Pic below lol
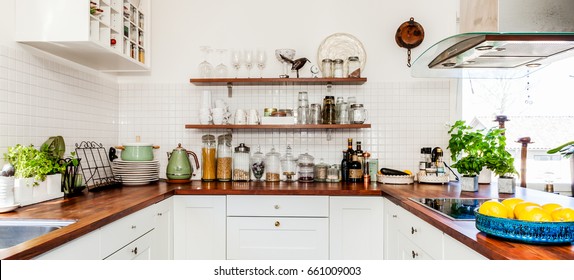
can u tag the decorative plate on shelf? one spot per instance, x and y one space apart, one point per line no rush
341 45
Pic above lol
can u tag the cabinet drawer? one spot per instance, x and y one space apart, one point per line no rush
409 251
421 233
125 230
278 206
140 249
277 238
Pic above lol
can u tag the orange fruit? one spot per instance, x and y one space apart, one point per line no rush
493 208
563 214
549 207
534 213
510 203
521 205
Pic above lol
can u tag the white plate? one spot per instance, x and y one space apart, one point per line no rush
341 45
4 209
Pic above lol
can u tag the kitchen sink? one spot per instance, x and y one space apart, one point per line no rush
16 231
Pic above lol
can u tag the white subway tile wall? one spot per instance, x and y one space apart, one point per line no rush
40 97
405 116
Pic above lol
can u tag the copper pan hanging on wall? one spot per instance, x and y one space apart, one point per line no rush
409 35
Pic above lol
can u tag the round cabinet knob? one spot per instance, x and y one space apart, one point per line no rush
415 254
277 223
276 206
135 251
413 230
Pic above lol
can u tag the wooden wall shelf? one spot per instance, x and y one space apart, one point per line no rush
277 126
276 81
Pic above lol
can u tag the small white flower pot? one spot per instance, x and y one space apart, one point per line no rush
25 193
506 185
485 176
469 184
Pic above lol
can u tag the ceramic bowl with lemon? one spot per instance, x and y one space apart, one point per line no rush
526 221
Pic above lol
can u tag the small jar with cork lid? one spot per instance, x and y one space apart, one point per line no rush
354 67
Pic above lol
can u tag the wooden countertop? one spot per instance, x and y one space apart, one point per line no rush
96 209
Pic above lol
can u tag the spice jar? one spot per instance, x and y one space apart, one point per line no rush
338 68
306 168
272 166
328 115
320 171
241 163
358 114
224 160
289 165
354 67
258 164
334 173
208 160
327 65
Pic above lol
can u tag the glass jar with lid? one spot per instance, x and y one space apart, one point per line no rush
289 165
327 67
334 173
338 71
208 158
328 115
354 67
258 164
306 168
357 114
320 171
224 157
241 171
272 166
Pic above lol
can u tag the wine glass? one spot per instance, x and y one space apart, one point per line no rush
288 53
205 68
221 68
248 60
236 60
261 60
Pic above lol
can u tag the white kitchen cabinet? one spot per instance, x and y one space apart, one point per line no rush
277 227
356 228
163 231
86 247
455 250
408 250
199 227
139 249
117 39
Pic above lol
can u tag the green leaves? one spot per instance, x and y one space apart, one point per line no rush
566 149
31 162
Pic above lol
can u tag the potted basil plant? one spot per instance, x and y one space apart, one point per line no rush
567 150
467 149
500 161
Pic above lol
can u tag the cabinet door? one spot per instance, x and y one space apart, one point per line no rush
275 238
391 225
86 247
139 249
163 232
356 228
409 250
199 227
455 250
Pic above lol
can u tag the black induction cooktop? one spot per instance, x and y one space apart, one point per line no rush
453 208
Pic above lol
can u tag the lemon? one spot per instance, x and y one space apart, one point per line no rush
549 207
493 208
533 213
510 203
563 214
521 205
408 172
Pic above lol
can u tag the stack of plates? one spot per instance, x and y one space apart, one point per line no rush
136 172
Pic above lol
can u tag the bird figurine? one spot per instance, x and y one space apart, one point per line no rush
296 64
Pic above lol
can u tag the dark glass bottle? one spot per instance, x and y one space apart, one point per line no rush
350 151
360 154
344 168
355 171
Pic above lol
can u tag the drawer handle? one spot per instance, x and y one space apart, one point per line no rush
415 254
394 216
277 223
276 206
133 227
135 251
413 230
159 214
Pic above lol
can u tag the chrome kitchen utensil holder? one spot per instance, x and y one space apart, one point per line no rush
95 166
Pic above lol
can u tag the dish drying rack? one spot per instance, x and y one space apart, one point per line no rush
95 166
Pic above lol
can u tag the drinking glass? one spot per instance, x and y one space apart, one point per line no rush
221 68
236 60
261 60
205 68
248 60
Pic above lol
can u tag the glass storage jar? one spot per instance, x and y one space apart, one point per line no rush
208 158
241 163
338 68
354 67
358 114
327 67
258 164
320 171
334 173
306 168
224 157
289 165
328 115
272 166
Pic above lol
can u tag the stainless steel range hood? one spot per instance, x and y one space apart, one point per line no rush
537 34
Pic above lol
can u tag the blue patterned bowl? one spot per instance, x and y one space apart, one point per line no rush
527 232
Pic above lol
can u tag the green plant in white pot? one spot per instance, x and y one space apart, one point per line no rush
567 150
37 171
500 161
467 151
